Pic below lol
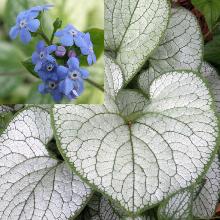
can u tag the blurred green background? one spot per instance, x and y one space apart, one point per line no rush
17 85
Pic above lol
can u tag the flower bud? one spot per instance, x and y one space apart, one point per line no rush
57 24
71 53
60 51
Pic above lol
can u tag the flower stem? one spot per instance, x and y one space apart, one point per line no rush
43 35
95 84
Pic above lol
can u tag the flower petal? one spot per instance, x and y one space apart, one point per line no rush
73 63
79 41
62 72
35 57
51 49
33 25
89 59
38 66
14 32
57 96
50 58
84 73
40 46
67 86
59 33
25 36
66 40
42 88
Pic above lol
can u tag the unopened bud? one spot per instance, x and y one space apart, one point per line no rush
60 51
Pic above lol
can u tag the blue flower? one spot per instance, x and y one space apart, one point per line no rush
87 49
73 85
51 87
42 54
26 22
50 71
70 36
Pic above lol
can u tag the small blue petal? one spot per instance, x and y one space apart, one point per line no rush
35 58
22 15
84 73
57 96
14 32
67 86
33 25
50 49
50 58
25 36
79 41
42 88
73 63
40 46
38 66
62 72
66 40
59 33
93 58
89 59
85 50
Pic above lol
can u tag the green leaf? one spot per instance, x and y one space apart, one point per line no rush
212 51
181 48
113 77
199 200
213 79
133 31
30 67
8 84
99 208
97 38
10 58
210 9
35 97
34 185
139 163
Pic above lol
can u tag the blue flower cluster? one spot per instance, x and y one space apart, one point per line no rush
66 80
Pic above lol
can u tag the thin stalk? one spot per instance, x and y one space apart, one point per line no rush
95 84
43 35
52 36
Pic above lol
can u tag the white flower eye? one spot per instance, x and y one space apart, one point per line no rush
41 55
49 67
73 32
91 49
74 75
23 23
52 85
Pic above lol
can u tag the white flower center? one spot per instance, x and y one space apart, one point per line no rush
74 75
50 67
91 49
23 23
73 32
52 85
41 55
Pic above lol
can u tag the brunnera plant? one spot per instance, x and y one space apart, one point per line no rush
149 152
58 64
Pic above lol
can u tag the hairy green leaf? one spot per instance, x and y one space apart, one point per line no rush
33 185
133 30
138 163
